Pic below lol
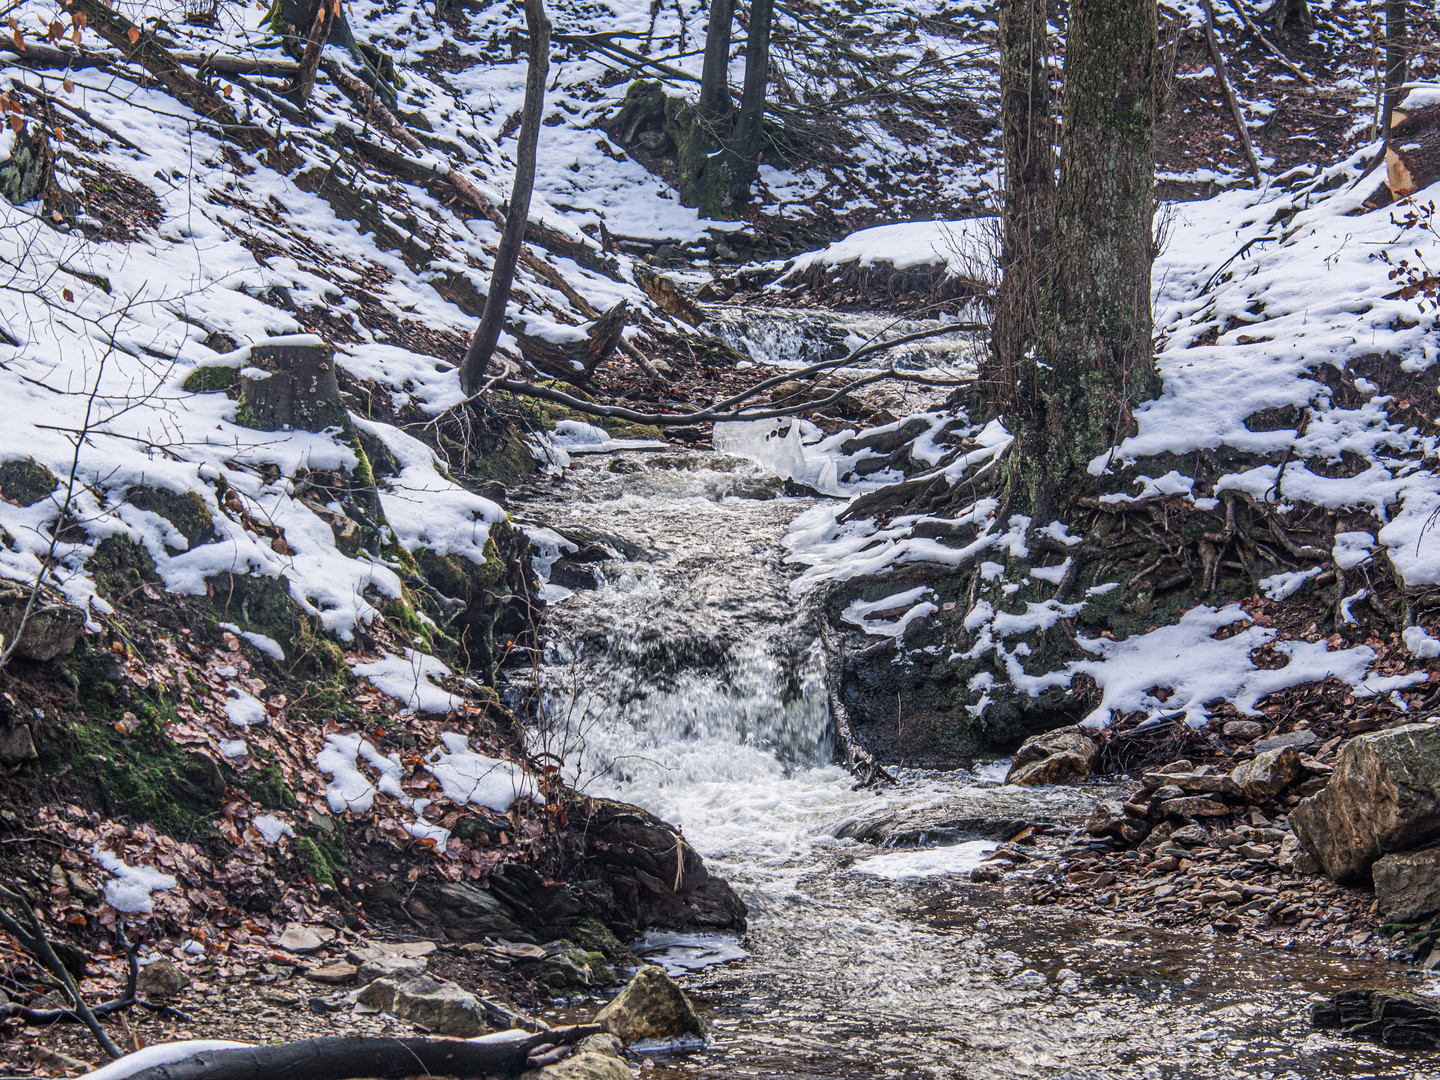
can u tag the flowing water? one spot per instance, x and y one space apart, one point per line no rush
687 680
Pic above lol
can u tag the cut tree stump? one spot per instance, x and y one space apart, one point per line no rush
1412 152
297 390
575 361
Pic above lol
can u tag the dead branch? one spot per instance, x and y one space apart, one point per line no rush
65 58
1219 61
1270 47
314 44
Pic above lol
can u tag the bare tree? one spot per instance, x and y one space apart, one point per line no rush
744 147
512 238
1397 55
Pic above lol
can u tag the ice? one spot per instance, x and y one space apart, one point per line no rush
911 864
271 828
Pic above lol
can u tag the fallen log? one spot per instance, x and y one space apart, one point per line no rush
65 58
346 1058
1412 150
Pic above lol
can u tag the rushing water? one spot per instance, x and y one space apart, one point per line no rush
687 680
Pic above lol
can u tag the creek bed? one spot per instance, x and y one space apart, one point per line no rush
687 679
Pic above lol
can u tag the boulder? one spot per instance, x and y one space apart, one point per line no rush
469 914
1267 774
1299 739
51 629
567 964
652 1006
584 1065
336 974
1392 1018
304 940
1383 796
1246 730
1203 781
1294 858
1057 757
160 979
1407 884
440 1006
17 744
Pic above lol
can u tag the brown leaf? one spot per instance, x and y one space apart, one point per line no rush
134 34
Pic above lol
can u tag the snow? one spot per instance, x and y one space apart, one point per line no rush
468 777
1421 644
349 789
233 748
909 865
130 890
242 709
858 612
408 678
957 245
798 450
154 1056
272 828
1196 667
578 437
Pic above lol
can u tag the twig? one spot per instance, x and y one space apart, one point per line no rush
1234 102
1273 49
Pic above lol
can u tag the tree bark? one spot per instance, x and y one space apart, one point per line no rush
1027 132
1412 156
1397 54
314 45
715 74
512 238
1094 359
745 141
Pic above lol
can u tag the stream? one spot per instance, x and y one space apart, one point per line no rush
683 676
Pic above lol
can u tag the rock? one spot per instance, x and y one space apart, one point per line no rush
1057 757
1298 739
387 967
583 1065
160 979
54 1059
604 1043
1383 796
1194 806
1165 794
304 940
51 629
1294 858
567 964
1204 781
336 974
1267 774
1392 1018
17 744
1106 818
291 385
1191 836
1246 730
372 949
472 913
1407 884
440 1006
652 1006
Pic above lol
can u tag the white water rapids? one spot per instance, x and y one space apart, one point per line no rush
687 680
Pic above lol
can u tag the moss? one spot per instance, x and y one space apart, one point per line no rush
187 511
26 481
364 474
316 864
245 415
209 380
596 937
509 461
121 567
144 775
266 785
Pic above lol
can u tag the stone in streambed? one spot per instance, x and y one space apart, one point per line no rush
1383 796
440 1006
1267 774
652 1006
1057 757
1393 1018
584 1065
1407 884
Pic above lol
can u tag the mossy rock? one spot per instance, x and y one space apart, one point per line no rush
26 481
317 864
508 461
209 380
259 604
121 567
266 785
187 511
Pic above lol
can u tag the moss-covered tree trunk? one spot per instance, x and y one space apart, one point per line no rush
1027 132
1093 357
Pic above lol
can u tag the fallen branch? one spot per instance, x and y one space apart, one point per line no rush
1219 61
1270 47
35 55
339 1058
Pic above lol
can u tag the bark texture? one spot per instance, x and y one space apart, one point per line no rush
512 239
1397 54
1027 129
745 141
1094 356
714 74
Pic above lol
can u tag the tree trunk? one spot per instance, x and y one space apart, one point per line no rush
1412 156
745 141
1094 359
487 334
1397 54
1027 132
715 74
314 45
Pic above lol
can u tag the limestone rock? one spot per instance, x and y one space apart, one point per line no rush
336 974
1267 774
1298 739
17 744
1383 796
585 1065
1194 806
1057 757
441 1006
388 967
303 940
1294 858
1393 1018
160 979
652 1006
1407 884
1243 729
1205 781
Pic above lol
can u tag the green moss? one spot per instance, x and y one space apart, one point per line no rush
314 859
364 474
26 481
245 415
266 785
144 775
509 461
187 511
209 380
121 567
